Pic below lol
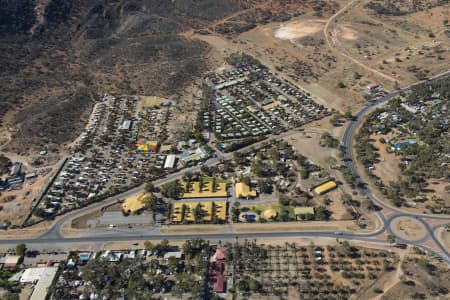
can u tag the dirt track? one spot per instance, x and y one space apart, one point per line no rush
327 34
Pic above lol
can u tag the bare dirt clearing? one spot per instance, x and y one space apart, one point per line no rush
408 228
444 237
432 17
298 29
437 188
407 48
308 144
293 226
347 33
295 50
387 169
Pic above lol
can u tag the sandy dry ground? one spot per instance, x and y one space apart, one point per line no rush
294 30
444 236
434 17
308 145
180 229
392 44
298 29
336 207
347 33
17 210
387 169
387 280
293 226
5 136
272 241
263 44
258 227
408 228
438 187
30 232
325 125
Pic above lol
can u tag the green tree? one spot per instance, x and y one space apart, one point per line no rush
368 204
10 296
149 246
198 213
149 187
20 249
265 186
447 226
304 173
391 239
151 203
171 189
258 168
322 213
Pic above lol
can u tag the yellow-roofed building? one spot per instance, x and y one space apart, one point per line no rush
221 210
135 203
206 191
270 213
177 212
244 191
184 211
324 188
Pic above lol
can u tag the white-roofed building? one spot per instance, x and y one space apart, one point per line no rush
42 277
170 161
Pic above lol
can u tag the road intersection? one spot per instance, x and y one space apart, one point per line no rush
387 213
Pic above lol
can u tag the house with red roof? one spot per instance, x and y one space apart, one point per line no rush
219 255
219 283
217 268
372 86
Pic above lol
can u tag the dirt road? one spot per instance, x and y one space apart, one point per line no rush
326 33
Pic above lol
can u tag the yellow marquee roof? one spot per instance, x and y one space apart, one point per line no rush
207 207
270 213
323 188
243 190
207 190
134 203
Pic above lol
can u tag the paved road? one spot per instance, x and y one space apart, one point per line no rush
430 241
54 232
54 238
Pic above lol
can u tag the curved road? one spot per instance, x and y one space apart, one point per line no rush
387 214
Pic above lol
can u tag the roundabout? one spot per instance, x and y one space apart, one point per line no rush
408 229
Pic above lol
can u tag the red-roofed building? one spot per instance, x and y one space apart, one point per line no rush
218 285
372 86
217 267
219 255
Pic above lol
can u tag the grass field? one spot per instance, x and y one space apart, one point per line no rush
149 101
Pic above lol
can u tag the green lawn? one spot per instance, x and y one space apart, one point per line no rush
218 180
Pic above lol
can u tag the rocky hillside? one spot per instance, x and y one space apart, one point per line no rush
59 55
402 7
